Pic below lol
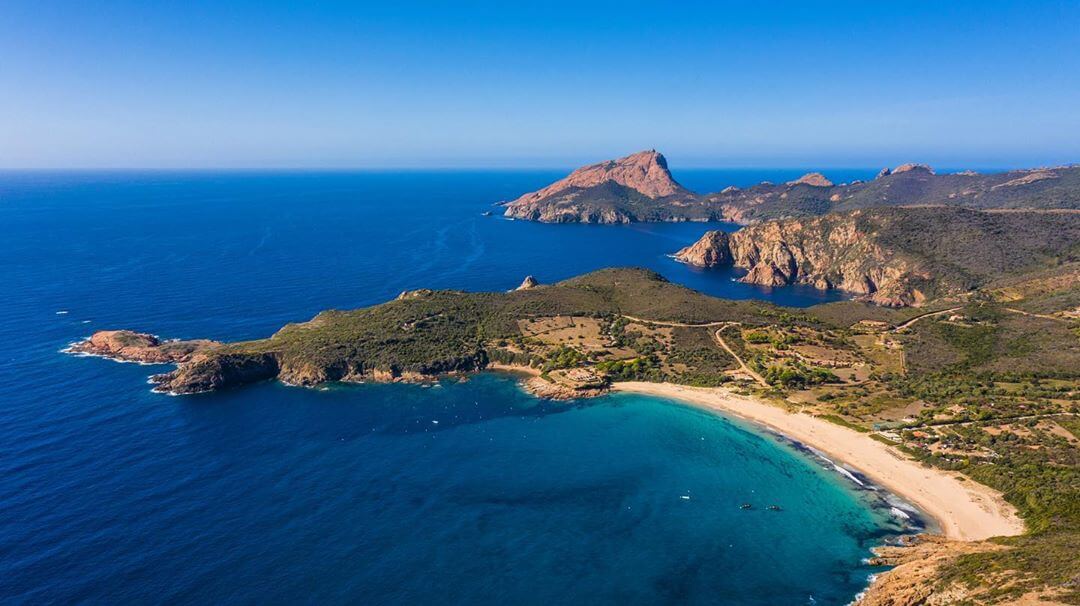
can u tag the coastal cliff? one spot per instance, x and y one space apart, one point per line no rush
980 367
639 187
893 257
426 334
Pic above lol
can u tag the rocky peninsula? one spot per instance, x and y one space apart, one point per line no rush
640 188
960 407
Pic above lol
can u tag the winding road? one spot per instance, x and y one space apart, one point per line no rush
716 335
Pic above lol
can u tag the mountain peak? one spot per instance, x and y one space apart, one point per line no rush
645 172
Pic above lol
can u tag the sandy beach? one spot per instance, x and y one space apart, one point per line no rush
964 509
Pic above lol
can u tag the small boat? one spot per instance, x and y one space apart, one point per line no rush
775 508
746 506
486 213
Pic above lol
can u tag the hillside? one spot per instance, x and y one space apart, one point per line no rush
640 188
424 334
895 256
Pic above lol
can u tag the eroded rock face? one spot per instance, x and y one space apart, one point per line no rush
904 168
646 172
131 346
527 283
712 250
814 179
213 371
914 579
615 191
568 384
823 252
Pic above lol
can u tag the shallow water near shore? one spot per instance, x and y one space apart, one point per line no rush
462 493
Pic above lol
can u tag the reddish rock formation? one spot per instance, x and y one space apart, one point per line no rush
646 172
130 346
527 283
616 191
904 168
893 256
814 179
712 250
914 578
824 252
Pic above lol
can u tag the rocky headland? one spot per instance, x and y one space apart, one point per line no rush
894 257
985 386
131 346
636 188
640 188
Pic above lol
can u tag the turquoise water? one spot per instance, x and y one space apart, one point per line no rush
466 493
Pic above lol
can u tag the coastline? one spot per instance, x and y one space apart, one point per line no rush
963 509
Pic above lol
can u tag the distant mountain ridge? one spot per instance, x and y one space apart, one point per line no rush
640 188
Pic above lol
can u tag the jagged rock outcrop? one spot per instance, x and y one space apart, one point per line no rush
568 384
527 283
646 171
893 256
911 166
638 187
914 578
210 372
814 179
825 254
712 250
131 346
828 253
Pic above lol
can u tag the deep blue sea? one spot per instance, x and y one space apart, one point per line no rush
463 493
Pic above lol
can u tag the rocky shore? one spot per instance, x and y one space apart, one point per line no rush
144 348
640 188
894 257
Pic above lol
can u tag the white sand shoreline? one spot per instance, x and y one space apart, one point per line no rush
963 509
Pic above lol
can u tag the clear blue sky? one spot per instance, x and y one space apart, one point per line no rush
401 84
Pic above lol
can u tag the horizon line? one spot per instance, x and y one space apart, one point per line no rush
489 167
